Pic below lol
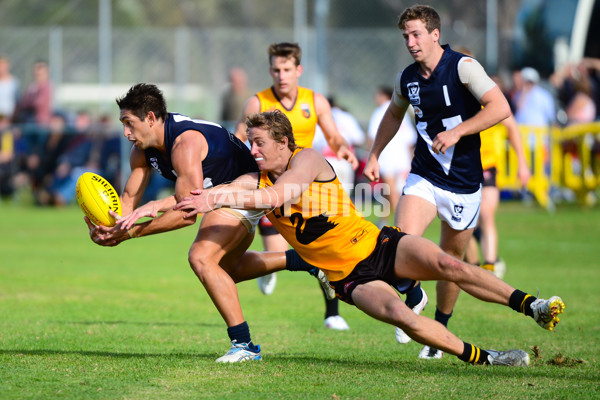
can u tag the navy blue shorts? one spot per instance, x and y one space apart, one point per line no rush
265 227
489 177
379 266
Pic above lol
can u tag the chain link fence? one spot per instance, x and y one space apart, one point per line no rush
191 65
90 69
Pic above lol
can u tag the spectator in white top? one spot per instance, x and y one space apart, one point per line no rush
534 105
9 89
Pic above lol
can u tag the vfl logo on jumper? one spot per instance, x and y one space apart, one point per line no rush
154 164
305 107
413 93
307 231
207 183
456 215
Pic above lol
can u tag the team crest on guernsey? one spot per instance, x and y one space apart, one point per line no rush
305 107
413 93
154 164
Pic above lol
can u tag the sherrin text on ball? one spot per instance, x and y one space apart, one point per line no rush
96 196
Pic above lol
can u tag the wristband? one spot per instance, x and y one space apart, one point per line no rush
131 232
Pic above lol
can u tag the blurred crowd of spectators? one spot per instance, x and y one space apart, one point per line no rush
44 150
571 95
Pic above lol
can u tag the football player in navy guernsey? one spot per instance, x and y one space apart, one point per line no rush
192 153
453 99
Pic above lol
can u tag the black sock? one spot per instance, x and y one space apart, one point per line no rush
477 234
474 355
241 334
441 317
331 306
414 296
521 302
293 262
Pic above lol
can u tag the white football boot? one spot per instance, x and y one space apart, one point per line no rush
267 283
402 337
508 358
240 352
545 312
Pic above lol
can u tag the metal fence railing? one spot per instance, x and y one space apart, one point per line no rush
192 64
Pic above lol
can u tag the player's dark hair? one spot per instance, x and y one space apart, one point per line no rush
388 91
287 50
427 14
142 98
276 123
40 61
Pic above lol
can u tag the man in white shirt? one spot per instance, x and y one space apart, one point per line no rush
534 104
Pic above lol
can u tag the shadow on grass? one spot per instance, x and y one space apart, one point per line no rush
294 361
110 354
139 323
457 368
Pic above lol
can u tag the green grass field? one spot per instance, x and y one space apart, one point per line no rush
132 322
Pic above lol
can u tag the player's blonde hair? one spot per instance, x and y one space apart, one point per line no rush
276 123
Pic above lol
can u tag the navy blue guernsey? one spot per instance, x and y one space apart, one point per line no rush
441 103
227 157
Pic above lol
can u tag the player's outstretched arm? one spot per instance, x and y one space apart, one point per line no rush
188 166
205 200
187 163
150 209
305 167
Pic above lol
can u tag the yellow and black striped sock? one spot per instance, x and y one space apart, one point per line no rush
474 355
521 302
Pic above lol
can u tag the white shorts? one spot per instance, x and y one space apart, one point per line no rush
345 173
460 211
249 218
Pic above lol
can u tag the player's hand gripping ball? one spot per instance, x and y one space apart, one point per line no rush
96 196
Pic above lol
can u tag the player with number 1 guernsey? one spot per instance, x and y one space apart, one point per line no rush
453 99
